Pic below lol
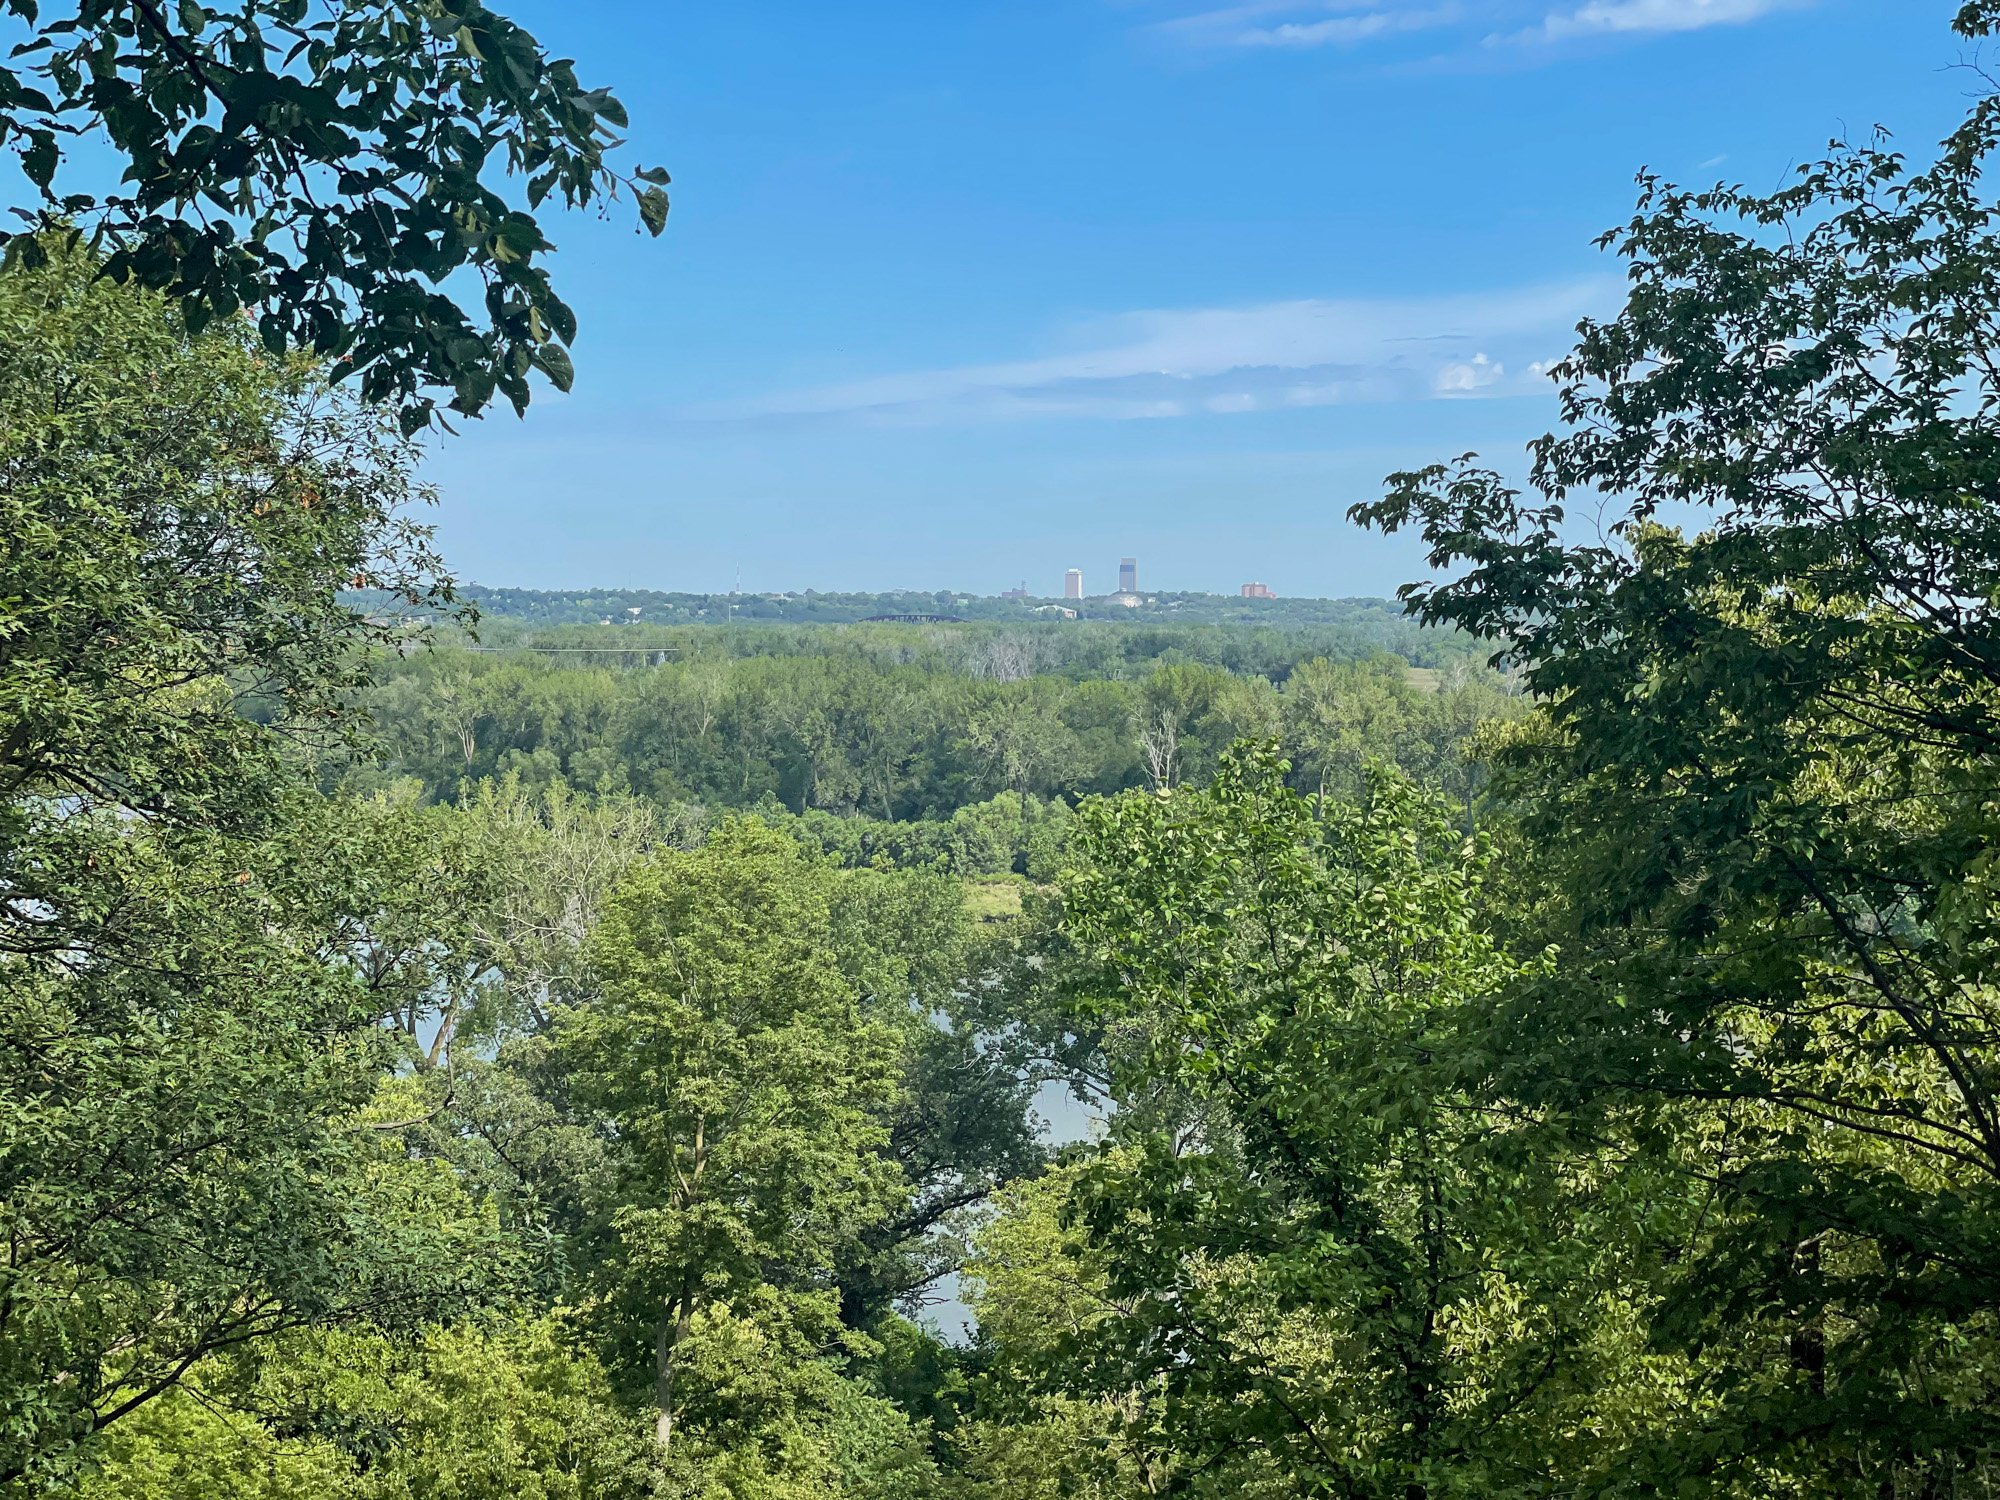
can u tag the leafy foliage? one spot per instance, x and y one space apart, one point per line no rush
742 1085
326 169
1342 1266
1761 788
463 1413
189 1034
1599 1101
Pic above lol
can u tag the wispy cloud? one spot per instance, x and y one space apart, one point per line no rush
1225 360
1299 24
1345 29
1306 23
1640 17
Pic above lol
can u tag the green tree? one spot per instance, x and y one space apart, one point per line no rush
191 1160
188 1018
783 1423
548 865
1339 716
464 1413
1344 1266
1761 790
1040 1292
181 512
960 1125
1188 713
742 1090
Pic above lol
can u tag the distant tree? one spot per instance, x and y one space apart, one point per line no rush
1189 713
1339 716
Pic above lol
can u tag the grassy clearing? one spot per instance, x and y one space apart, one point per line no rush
993 900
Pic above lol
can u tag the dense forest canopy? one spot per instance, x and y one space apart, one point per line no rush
909 723
1555 1055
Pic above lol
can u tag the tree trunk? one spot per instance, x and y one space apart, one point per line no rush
666 1348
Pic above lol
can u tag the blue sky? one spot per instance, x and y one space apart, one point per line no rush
961 295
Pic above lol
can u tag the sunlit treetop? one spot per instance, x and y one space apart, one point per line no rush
333 168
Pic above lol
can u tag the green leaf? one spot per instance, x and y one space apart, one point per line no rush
653 209
39 160
553 361
561 320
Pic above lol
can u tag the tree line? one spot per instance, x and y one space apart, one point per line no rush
875 732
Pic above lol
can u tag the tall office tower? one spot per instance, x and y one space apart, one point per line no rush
1128 575
1073 584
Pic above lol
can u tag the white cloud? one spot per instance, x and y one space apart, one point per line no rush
1630 17
1175 362
1467 377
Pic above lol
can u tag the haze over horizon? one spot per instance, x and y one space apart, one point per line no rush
961 298
1093 589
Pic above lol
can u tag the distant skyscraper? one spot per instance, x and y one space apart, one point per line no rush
1257 591
1073 584
1128 575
